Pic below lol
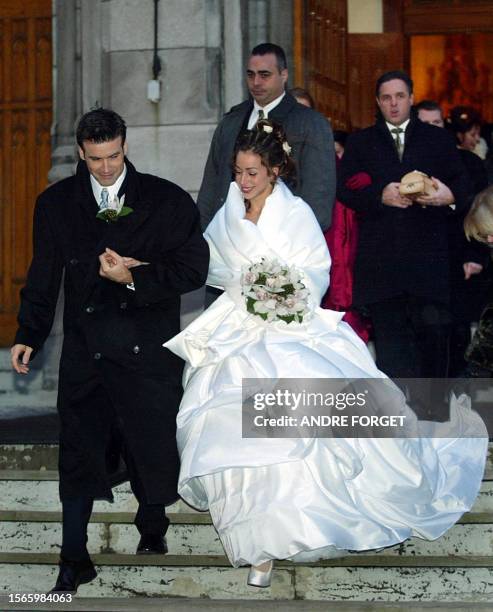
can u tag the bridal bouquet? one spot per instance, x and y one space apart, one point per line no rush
274 291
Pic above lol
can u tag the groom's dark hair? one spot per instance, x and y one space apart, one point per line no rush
100 125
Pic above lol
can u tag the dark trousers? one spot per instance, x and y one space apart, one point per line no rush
411 337
150 518
75 517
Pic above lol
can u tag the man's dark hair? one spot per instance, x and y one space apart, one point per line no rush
428 105
390 76
265 48
100 125
299 92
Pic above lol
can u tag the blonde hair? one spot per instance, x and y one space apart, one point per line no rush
478 223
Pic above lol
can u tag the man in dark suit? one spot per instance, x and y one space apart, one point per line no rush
401 272
128 244
308 133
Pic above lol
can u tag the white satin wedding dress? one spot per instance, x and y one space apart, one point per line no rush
304 498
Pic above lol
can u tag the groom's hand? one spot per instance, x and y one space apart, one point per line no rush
21 354
112 267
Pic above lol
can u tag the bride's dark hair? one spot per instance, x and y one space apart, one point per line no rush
268 140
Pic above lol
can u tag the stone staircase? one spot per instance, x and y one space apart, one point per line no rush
455 568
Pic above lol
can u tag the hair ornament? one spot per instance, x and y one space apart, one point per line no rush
268 128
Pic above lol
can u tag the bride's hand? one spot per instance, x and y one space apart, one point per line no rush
130 262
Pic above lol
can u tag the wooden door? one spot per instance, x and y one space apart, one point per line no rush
25 122
369 56
320 55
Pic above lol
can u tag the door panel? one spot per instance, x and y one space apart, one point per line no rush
320 55
25 122
369 56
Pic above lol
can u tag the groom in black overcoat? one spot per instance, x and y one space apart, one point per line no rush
127 245
401 273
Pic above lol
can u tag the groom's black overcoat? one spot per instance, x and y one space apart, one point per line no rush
115 374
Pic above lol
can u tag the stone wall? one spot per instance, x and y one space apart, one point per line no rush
169 138
104 52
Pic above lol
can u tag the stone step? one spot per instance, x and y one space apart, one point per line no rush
28 457
41 533
22 490
169 560
176 513
182 514
22 404
45 457
105 537
42 495
10 381
359 578
172 604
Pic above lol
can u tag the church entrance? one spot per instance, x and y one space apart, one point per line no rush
454 69
445 45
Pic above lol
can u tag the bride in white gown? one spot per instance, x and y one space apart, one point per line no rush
306 498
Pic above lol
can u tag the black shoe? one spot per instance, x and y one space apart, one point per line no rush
72 574
152 544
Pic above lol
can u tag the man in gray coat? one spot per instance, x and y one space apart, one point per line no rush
308 133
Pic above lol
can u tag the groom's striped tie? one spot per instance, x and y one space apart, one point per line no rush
103 204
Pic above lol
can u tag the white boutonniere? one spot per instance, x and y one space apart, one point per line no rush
115 210
286 147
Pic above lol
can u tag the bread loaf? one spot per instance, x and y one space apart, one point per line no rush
415 184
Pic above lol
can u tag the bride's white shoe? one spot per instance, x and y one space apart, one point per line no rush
261 575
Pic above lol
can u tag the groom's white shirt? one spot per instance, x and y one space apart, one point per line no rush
113 190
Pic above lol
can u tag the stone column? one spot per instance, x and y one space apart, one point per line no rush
258 23
92 55
281 29
65 93
272 22
234 69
